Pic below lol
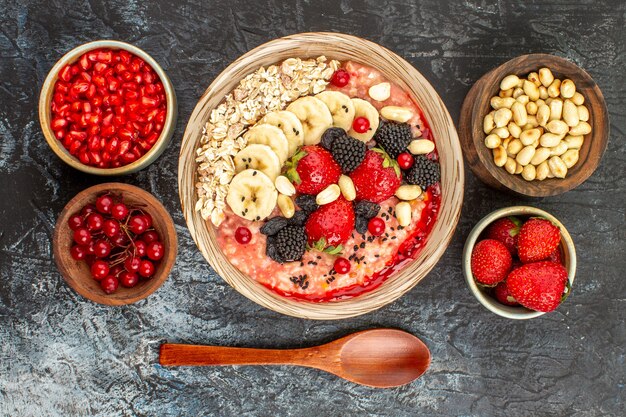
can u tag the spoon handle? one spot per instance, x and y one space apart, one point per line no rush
173 354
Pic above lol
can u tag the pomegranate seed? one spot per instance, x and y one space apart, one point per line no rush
58 98
160 118
124 147
120 67
92 55
75 70
116 100
127 76
125 57
113 84
149 102
85 76
62 87
152 139
138 78
119 120
86 107
91 92
106 157
108 131
79 136
126 134
80 87
136 64
105 57
93 143
66 73
83 158
58 123
148 77
59 134
95 157
96 101
93 130
129 157
111 146
150 90
100 67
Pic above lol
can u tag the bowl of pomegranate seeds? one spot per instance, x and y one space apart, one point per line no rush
520 262
107 108
114 243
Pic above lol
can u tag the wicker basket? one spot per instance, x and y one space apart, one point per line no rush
341 47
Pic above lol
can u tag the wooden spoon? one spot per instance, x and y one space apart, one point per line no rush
379 358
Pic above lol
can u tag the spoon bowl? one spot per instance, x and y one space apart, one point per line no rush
380 358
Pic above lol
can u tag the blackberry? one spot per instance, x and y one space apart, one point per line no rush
360 224
330 135
273 225
271 250
425 172
394 137
348 152
366 209
307 203
291 243
299 218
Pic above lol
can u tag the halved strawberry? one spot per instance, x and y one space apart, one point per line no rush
377 178
312 169
506 231
330 225
538 238
539 285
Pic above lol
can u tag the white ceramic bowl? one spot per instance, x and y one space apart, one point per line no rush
568 253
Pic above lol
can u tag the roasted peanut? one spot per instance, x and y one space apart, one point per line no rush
403 213
543 115
574 142
557 167
554 89
581 129
510 81
523 99
408 192
502 117
286 206
532 121
498 103
541 154
517 92
421 146
531 90
559 149
531 107
542 171
284 186
396 113
570 113
525 155
515 145
328 195
546 77
557 127
578 99
570 157
499 156
492 141
549 140
510 165
518 168
556 109
534 78
488 123
583 113
527 137
503 132
568 88
346 186
519 114
529 172
506 93
514 129
543 93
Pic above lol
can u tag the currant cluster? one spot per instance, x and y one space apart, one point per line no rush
117 241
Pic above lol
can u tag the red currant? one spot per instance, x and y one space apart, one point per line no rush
376 226
138 224
89 208
99 270
82 236
110 228
109 284
243 235
342 266
90 248
361 124
129 279
119 211
150 236
75 221
116 270
405 160
104 204
146 269
340 78
95 221
132 264
148 220
120 239
140 248
155 250
78 252
102 249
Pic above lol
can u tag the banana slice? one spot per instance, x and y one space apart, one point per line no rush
260 157
363 108
340 106
252 195
266 134
289 124
314 116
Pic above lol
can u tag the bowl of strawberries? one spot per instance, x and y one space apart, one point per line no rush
520 262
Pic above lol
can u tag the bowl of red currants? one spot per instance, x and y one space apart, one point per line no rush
107 108
114 243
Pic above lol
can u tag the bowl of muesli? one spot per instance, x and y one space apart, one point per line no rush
321 176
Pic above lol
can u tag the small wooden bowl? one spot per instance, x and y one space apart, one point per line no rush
57 147
568 255
341 47
476 106
77 273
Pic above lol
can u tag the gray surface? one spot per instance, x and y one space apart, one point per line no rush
61 355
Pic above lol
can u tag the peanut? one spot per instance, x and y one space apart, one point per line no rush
534 78
557 127
499 156
559 149
519 113
284 186
503 116
578 99
531 90
517 92
541 154
518 169
568 88
508 82
488 123
346 186
529 136
557 167
510 165
543 115
397 114
531 107
503 132
574 142
529 172
570 113
525 155
549 140
524 99
514 147
543 93
542 171
583 128
380 92
403 213
286 206
554 89
583 113
328 195
506 93
546 77
570 157
421 146
408 192
498 103
556 109
514 130
492 141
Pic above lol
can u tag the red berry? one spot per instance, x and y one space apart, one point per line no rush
375 179
243 236
556 256
82 236
312 169
129 279
146 268
120 239
94 221
376 226
539 285
132 264
342 266
150 236
155 250
119 211
89 208
501 292
109 284
340 78
138 224
78 252
102 249
75 221
140 248
331 224
110 228
99 270
148 219
491 262
116 270
104 204
361 124
505 230
405 160
538 238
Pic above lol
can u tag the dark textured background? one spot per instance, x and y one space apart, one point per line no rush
61 355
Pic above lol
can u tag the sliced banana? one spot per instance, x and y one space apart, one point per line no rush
252 195
266 134
340 106
257 156
289 124
363 108
314 116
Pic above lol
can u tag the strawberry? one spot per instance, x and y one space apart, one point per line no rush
506 231
501 292
312 169
330 225
491 262
556 256
539 285
377 178
537 239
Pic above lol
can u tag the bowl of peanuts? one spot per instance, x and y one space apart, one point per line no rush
536 126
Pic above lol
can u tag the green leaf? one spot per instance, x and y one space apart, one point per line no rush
568 292
334 250
292 166
388 162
